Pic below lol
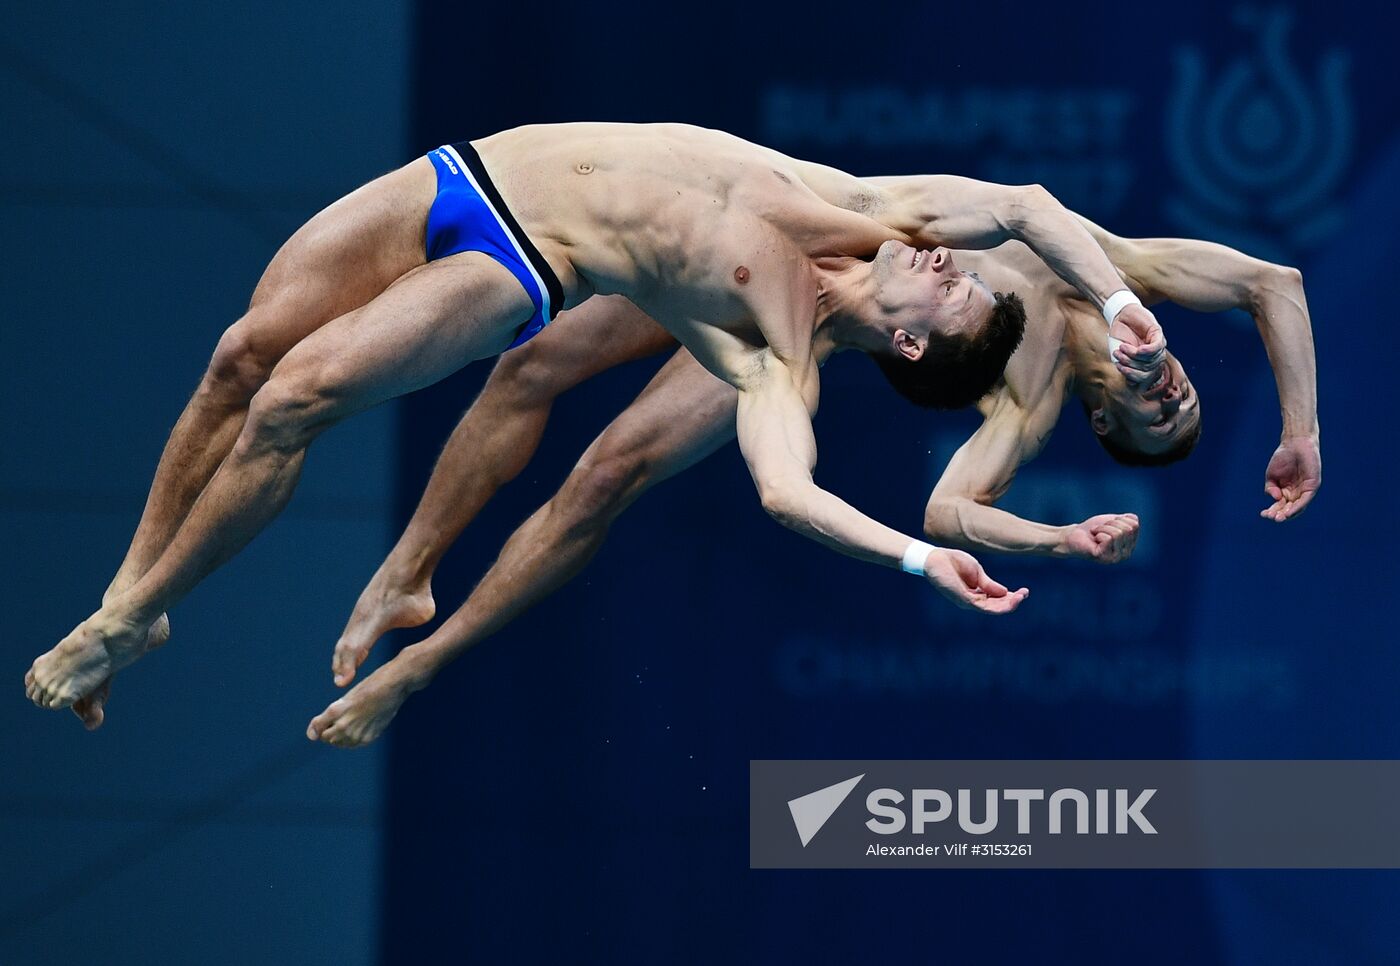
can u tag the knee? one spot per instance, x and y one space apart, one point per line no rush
528 375
284 415
602 485
241 364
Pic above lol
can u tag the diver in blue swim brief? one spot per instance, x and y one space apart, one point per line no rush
742 254
468 215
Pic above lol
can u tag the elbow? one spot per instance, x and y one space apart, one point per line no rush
1274 280
1027 202
942 521
1036 195
782 500
1282 278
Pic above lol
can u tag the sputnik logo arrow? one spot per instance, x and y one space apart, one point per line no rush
811 811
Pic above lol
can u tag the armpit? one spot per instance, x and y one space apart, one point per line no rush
863 202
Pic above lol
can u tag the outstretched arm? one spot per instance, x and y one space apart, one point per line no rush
775 435
1206 277
961 511
964 213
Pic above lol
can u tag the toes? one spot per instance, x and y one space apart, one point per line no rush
90 710
332 727
347 660
65 698
322 723
158 633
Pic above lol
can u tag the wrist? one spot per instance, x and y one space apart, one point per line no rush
1117 302
915 560
1061 545
1300 429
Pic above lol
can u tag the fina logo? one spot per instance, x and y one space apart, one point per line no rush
1259 152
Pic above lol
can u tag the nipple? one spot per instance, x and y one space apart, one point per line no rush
741 274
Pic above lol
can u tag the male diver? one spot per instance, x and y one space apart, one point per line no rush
739 252
685 414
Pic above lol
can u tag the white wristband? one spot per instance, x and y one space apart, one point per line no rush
915 557
1117 302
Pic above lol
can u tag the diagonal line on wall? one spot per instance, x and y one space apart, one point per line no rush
146 146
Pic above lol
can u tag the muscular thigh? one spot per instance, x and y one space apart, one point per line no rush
346 255
603 332
426 325
682 416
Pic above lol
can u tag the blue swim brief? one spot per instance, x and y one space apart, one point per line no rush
468 215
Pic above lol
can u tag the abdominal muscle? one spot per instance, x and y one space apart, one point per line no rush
665 214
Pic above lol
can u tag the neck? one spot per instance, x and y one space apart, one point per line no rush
845 294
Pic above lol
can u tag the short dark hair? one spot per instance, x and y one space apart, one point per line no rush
957 370
1127 456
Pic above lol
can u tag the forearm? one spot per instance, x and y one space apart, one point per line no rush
1207 277
1280 311
957 212
1060 239
807 509
966 523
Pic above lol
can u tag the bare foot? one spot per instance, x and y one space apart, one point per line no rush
385 605
96 649
363 714
91 709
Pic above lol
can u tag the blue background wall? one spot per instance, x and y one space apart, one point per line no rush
154 156
577 786
575 789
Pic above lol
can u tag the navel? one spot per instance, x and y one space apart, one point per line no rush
584 167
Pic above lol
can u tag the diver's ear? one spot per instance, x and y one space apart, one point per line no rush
1098 418
908 345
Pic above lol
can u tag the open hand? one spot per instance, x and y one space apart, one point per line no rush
1106 538
1292 477
960 578
1141 346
